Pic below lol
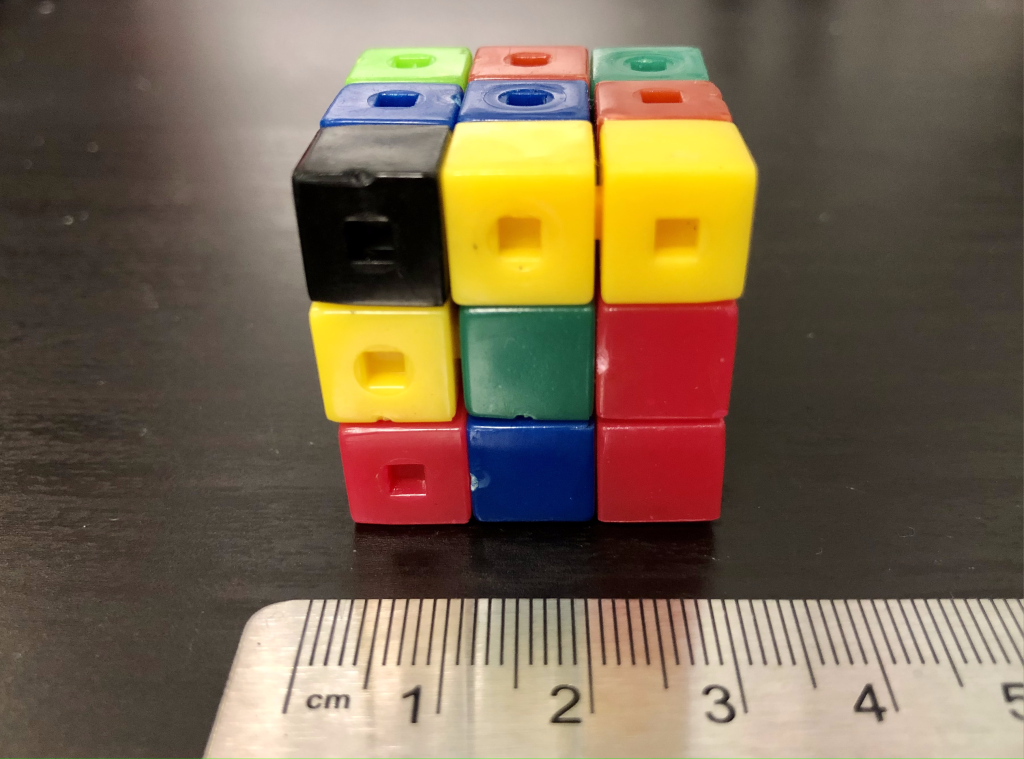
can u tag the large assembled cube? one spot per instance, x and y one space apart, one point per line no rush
541 62
446 65
369 214
381 363
634 64
519 213
528 361
407 473
388 103
678 204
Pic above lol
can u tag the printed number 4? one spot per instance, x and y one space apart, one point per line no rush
867 703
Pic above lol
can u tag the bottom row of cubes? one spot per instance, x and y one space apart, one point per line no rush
521 470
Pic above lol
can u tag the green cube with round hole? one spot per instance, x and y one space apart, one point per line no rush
639 64
444 65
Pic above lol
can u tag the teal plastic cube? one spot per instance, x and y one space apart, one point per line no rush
638 64
445 65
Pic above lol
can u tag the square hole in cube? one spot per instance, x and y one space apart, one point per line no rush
651 96
395 99
519 237
383 372
405 479
676 237
370 244
529 60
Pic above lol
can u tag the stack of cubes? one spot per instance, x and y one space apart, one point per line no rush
448 214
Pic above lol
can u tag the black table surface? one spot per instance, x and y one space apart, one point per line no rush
165 465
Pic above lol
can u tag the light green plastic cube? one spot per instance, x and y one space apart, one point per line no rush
444 65
629 64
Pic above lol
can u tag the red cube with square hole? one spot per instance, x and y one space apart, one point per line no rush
544 62
660 471
407 473
659 100
665 361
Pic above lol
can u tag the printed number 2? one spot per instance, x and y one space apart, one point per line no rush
1010 696
867 702
558 717
730 712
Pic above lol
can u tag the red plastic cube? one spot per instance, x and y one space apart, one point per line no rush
659 100
660 471
407 473
665 361
544 62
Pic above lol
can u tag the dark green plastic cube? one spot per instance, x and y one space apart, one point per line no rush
528 361
638 64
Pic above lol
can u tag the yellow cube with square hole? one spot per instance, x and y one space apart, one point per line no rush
677 208
380 362
519 212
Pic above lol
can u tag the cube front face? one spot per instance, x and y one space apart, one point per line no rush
405 103
519 213
660 471
634 64
659 100
446 65
379 363
678 205
369 213
534 362
527 471
525 100
543 62
407 474
665 361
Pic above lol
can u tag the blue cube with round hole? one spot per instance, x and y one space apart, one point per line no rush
525 100
394 103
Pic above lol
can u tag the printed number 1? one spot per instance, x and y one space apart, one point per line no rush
415 695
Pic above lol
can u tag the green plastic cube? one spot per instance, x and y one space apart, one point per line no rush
530 361
638 64
444 65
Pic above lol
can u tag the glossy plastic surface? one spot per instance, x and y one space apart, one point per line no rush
634 64
659 100
446 65
380 363
529 361
407 473
525 100
369 213
678 204
402 103
660 471
529 471
542 62
519 213
665 361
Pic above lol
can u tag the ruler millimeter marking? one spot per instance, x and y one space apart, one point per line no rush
593 677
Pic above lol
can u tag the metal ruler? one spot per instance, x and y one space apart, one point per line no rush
626 677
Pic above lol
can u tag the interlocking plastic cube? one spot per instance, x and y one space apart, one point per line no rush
678 205
543 62
384 103
525 99
447 65
519 213
633 64
659 100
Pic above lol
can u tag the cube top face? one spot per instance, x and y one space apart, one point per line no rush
380 363
368 205
445 65
633 64
525 99
678 205
519 212
383 103
660 100
535 362
530 471
542 62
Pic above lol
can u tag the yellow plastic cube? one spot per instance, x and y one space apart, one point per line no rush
519 213
678 204
381 362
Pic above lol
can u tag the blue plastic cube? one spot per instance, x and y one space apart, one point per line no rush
394 103
525 99
523 470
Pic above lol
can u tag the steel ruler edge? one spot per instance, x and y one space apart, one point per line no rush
626 677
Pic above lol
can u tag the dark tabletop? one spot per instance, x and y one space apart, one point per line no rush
165 465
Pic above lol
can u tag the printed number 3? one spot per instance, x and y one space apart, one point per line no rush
730 712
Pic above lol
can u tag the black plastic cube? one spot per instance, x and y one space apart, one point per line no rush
368 204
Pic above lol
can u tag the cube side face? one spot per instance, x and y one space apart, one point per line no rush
665 361
659 100
526 471
660 471
519 213
370 233
401 103
536 363
445 65
408 474
379 363
525 100
542 62
678 206
646 64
